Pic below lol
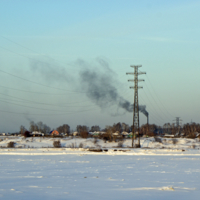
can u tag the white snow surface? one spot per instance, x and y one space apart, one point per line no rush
40 142
156 171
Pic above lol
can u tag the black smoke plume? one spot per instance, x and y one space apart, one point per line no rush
101 87
96 80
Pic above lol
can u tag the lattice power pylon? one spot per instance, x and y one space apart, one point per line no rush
178 123
136 124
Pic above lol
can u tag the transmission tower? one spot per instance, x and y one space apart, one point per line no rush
178 123
136 124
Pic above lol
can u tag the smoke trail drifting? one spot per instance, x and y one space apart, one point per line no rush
98 83
50 70
101 88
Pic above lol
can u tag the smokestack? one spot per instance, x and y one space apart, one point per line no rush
147 130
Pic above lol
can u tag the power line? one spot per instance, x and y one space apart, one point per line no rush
44 104
44 84
32 51
38 83
158 97
151 103
49 115
28 101
157 105
28 91
43 93
36 53
153 115
31 106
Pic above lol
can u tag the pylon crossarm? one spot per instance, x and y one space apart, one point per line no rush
136 66
133 80
135 73
140 73
133 87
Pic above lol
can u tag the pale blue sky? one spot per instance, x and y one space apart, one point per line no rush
163 36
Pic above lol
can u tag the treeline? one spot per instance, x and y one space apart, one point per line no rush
39 126
65 128
187 129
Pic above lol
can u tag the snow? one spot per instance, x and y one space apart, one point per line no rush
40 142
151 172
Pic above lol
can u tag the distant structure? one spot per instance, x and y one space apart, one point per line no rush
54 132
136 124
178 123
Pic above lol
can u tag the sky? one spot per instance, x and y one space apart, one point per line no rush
65 62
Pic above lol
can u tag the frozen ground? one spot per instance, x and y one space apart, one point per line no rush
49 173
160 143
63 174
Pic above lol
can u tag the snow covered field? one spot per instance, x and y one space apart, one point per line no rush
64 173
161 143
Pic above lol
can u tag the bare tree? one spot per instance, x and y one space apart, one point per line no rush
95 128
125 127
65 128
46 129
22 130
144 129
32 126
117 127
190 129
39 127
81 128
167 128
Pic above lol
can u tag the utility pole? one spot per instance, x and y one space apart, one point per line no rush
136 124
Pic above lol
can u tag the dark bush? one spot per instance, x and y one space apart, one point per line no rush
120 144
105 137
72 145
81 145
191 136
84 134
174 141
27 134
57 144
96 150
137 146
11 145
151 134
158 139
95 141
